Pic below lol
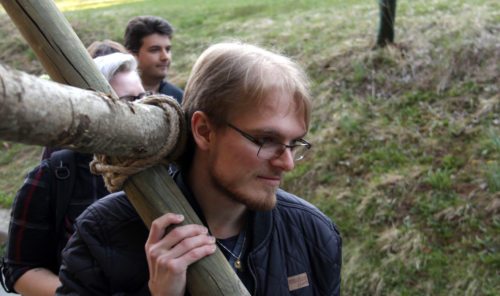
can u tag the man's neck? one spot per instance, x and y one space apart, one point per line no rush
152 85
225 217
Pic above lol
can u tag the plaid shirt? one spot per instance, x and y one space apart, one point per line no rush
33 240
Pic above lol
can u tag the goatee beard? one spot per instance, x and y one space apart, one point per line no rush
256 202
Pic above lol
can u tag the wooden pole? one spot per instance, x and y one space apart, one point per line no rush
40 112
62 55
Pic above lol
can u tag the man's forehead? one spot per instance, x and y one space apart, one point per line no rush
156 39
272 104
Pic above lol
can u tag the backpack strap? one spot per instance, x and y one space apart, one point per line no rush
62 164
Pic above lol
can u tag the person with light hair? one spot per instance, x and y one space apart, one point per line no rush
53 195
248 111
120 70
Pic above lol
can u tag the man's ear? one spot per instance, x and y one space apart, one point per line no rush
201 129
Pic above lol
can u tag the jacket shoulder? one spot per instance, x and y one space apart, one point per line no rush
109 238
304 241
302 219
296 207
169 89
110 210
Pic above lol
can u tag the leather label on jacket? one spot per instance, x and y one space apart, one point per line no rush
298 281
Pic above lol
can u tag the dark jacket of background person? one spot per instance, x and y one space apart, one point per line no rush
293 240
34 240
169 89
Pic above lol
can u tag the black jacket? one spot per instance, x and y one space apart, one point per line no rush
169 89
294 250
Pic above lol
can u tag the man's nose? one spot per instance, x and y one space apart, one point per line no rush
165 55
285 161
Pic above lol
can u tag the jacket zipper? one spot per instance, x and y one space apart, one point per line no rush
250 267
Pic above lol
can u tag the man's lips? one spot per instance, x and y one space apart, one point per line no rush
163 66
271 180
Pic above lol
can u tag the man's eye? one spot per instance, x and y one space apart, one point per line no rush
267 140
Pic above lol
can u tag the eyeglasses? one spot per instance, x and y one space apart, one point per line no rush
131 98
270 149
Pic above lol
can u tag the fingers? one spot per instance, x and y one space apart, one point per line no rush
177 265
170 254
159 225
179 241
192 244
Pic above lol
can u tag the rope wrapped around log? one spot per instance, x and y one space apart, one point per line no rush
116 171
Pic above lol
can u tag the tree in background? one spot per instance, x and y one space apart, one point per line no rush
387 20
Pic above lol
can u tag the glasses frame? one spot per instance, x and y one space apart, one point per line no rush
130 98
260 144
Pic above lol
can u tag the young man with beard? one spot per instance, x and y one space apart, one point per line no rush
149 39
248 112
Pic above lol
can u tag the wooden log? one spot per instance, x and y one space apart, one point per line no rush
61 53
39 112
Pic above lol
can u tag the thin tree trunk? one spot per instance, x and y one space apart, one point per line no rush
387 20
62 55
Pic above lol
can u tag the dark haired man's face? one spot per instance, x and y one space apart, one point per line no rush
154 58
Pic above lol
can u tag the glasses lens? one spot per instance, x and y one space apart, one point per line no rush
274 150
299 152
127 98
270 150
135 98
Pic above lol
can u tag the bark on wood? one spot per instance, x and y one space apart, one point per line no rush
39 112
62 55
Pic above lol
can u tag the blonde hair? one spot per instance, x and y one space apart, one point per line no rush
111 64
230 76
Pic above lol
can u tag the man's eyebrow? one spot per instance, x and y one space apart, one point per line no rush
274 133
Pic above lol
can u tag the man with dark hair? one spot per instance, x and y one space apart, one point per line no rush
149 39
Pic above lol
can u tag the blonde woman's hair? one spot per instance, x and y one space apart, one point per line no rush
111 64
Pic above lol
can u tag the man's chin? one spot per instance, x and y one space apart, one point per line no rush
161 72
263 202
161 75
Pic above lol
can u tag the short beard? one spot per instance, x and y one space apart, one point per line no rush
253 202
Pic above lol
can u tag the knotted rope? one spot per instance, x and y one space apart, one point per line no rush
116 171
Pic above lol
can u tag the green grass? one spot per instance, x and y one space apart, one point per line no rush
15 162
406 139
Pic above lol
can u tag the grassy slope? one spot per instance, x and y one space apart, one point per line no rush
406 140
